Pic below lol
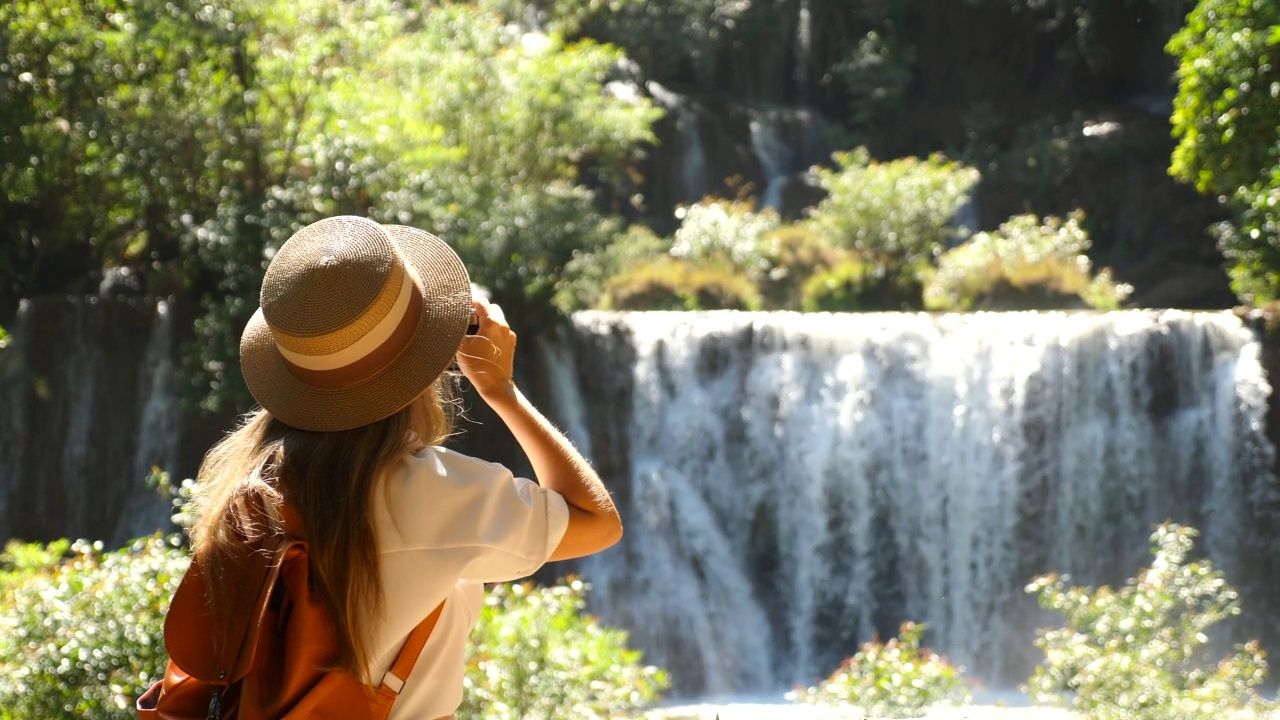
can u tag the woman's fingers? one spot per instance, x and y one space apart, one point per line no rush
494 312
486 357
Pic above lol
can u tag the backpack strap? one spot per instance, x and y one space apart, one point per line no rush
393 681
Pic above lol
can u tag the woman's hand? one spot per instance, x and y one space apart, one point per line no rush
487 357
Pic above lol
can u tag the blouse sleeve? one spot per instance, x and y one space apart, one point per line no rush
506 526
524 524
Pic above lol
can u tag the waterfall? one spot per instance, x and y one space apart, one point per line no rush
804 48
694 181
157 444
786 142
775 158
89 406
794 484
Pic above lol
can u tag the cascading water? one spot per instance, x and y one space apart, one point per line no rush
88 405
775 158
694 180
793 484
787 143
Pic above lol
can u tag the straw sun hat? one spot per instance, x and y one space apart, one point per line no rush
357 319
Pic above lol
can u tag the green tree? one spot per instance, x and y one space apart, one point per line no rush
119 118
186 140
1226 118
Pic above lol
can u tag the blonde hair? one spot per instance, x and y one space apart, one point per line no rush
328 477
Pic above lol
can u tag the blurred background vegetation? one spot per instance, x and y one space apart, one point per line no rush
167 147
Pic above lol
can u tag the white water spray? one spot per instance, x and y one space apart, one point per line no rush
796 483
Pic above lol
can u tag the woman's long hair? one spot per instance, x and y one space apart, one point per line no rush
329 478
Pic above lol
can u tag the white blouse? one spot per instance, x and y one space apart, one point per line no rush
447 523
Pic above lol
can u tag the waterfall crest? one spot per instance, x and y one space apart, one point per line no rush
793 484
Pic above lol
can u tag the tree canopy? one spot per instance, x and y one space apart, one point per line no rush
1226 118
180 142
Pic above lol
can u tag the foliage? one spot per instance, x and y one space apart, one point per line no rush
1031 158
1138 653
896 214
875 77
1225 114
1251 243
668 283
81 628
797 252
588 272
727 231
896 679
187 140
719 257
119 116
81 637
1225 117
726 255
847 286
1025 263
24 561
669 35
535 654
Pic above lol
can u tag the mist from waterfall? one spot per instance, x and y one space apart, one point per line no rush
794 484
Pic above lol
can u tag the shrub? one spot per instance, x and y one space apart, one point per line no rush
1026 263
21 562
732 232
1138 653
536 655
80 638
896 679
671 284
799 253
897 214
583 285
839 288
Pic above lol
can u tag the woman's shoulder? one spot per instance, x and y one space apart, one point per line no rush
454 467
439 497
446 479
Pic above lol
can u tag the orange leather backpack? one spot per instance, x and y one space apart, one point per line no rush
278 661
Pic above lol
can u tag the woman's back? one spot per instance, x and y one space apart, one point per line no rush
349 357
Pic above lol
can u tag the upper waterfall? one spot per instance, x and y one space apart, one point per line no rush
793 484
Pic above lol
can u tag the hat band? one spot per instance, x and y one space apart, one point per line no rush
372 360
315 357
371 327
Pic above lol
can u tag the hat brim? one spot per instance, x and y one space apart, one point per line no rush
446 305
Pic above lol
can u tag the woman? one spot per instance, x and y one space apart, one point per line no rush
348 357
